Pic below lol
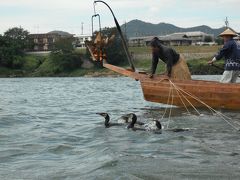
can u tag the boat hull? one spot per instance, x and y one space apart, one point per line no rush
189 93
192 93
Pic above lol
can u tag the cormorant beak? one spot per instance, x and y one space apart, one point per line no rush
101 114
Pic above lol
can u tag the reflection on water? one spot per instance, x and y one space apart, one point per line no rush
49 130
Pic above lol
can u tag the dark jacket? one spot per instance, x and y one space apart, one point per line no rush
231 53
167 55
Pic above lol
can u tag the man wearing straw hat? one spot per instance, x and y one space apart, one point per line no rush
231 53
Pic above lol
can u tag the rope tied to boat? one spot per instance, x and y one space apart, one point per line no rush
182 94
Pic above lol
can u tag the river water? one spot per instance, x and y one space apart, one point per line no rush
49 130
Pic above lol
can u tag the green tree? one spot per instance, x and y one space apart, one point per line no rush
12 46
18 39
208 39
63 62
3 45
219 41
63 58
114 51
64 45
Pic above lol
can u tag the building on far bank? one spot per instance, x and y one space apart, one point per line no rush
138 41
80 40
175 39
198 36
45 41
237 37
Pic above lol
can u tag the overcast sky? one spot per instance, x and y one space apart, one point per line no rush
41 16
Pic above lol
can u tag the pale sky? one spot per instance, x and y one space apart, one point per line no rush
41 16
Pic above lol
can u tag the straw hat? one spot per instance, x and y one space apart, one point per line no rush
228 32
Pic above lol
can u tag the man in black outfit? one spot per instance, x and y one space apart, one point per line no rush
175 64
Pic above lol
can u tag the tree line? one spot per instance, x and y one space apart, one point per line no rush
15 42
12 47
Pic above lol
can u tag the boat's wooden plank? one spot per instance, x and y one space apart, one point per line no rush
202 94
215 94
197 87
230 104
194 91
206 96
178 102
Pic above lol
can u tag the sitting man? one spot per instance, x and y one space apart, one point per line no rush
176 65
231 54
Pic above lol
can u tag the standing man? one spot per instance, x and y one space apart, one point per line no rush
231 54
175 64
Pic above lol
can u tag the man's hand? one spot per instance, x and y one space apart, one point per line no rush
211 61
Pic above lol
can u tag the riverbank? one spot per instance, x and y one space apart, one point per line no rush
196 66
42 66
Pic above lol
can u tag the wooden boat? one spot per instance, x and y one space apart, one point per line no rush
184 93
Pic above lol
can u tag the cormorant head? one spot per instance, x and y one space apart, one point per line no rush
107 118
133 117
134 120
158 124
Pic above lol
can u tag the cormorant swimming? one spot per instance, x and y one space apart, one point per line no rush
146 127
107 122
131 120
128 118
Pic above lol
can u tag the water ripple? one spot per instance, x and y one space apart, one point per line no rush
49 130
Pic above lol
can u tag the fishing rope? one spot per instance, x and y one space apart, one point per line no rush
197 99
182 99
170 111
169 94
222 116
185 98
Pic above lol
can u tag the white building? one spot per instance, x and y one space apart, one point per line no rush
138 41
175 39
198 36
237 37
80 40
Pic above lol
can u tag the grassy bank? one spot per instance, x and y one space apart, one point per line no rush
179 49
196 66
43 66
31 63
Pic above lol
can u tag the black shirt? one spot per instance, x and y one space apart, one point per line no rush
167 55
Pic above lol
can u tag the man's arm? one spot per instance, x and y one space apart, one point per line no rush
226 48
154 63
221 53
169 64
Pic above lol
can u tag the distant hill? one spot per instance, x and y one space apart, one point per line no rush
136 28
